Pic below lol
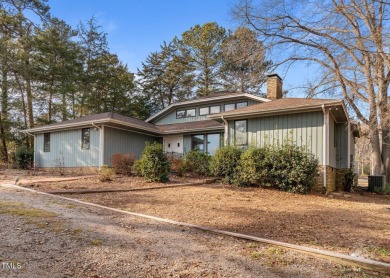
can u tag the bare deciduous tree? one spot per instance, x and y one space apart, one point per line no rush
349 40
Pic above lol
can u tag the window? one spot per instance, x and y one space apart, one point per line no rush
240 133
198 142
185 113
204 111
190 113
213 143
180 114
85 138
215 109
241 104
46 142
206 142
229 107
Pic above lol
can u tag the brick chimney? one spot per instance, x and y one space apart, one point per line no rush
274 87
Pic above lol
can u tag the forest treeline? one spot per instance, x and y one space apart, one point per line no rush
51 72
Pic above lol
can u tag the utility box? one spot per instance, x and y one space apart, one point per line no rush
376 183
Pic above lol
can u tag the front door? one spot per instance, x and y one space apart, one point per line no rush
173 144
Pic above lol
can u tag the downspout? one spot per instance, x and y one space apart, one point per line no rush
226 131
324 132
349 145
101 144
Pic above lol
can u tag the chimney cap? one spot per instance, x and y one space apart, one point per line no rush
274 74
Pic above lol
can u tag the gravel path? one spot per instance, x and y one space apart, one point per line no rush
42 236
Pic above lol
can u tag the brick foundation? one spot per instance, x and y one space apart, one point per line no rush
334 179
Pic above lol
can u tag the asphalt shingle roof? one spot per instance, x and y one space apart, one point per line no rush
280 104
104 116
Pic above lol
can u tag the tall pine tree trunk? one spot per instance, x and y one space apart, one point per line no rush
4 111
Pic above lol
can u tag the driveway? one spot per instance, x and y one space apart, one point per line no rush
43 236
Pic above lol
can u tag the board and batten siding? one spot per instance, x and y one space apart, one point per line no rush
66 146
305 129
170 118
342 145
123 141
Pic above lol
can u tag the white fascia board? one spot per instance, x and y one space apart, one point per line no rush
195 101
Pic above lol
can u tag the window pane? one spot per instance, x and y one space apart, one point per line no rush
213 143
215 109
203 111
85 138
242 104
191 113
46 142
198 142
180 114
240 132
229 107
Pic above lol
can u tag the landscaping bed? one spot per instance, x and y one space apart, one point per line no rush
118 183
353 223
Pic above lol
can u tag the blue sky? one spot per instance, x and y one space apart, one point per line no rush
136 28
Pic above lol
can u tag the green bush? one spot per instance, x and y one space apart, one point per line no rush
154 164
252 168
224 163
24 158
136 169
196 162
106 173
287 167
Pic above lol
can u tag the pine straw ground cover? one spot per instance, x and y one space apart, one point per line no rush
118 182
353 223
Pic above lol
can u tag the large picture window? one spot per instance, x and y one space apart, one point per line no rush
85 138
198 142
240 132
46 142
206 142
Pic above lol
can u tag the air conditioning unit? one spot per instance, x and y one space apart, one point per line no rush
376 183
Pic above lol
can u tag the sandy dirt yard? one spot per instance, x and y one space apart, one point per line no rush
43 236
353 223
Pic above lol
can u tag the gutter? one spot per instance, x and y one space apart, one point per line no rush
101 143
226 130
324 134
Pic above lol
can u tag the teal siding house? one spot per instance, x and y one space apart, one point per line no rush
322 126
